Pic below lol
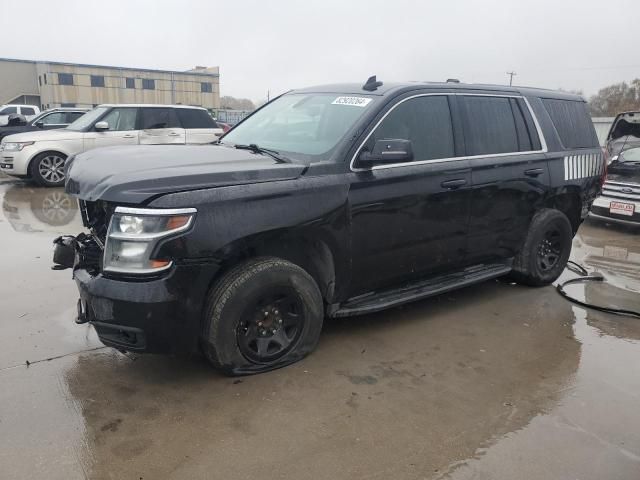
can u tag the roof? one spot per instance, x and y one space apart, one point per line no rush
89 65
149 105
395 88
66 109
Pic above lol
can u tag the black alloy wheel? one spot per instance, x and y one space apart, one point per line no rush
549 250
271 326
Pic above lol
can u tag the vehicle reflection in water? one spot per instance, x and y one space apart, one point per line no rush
613 251
31 210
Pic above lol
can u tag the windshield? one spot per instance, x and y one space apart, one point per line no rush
85 121
632 155
301 126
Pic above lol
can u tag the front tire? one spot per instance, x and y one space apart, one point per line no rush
546 249
47 169
263 314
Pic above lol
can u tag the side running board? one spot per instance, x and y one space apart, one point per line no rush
376 301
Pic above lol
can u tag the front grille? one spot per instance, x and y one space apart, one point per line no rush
621 190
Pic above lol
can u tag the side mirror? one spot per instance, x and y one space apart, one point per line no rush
387 151
101 126
39 124
16 120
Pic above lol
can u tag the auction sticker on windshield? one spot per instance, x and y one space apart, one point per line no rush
352 101
622 208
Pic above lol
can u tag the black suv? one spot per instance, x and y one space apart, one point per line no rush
329 201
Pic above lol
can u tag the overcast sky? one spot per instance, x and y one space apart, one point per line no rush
282 44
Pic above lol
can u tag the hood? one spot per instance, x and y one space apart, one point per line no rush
134 174
43 135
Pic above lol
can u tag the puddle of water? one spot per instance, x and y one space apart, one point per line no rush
594 430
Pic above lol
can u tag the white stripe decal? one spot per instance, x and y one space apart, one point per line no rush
583 166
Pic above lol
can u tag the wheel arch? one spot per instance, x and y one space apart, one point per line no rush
306 249
37 154
568 202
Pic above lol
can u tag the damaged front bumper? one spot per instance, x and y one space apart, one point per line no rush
155 315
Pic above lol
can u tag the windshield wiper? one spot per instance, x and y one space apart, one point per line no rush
265 151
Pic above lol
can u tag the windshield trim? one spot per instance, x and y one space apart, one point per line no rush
92 122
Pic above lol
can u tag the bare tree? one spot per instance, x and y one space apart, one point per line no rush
232 103
615 99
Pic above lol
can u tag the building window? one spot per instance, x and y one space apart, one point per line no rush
65 78
206 87
45 78
97 81
148 84
40 80
130 82
68 105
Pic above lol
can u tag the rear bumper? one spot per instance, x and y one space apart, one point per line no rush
161 315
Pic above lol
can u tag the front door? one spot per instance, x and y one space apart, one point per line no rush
122 129
410 220
160 126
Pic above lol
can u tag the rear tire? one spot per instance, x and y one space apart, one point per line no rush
546 249
263 314
47 169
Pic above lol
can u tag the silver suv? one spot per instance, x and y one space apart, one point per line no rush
42 155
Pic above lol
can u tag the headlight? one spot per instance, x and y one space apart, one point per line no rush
15 146
135 232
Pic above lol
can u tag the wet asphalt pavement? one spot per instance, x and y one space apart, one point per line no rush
495 381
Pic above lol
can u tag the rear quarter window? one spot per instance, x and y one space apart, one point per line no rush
572 122
195 118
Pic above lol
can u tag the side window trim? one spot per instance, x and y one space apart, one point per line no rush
543 143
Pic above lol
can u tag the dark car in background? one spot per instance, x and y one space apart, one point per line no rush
620 199
624 133
47 120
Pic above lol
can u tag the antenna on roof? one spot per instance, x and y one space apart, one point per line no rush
371 84
453 80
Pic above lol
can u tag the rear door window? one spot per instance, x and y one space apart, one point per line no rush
55 118
27 111
73 116
490 126
195 118
154 118
426 121
572 121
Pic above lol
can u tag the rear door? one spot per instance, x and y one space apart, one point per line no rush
409 220
161 126
508 169
122 129
199 126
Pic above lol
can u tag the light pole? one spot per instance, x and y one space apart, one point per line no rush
511 75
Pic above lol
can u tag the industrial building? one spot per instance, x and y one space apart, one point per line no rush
57 84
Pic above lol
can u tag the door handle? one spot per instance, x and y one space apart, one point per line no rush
128 136
174 134
453 184
534 172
